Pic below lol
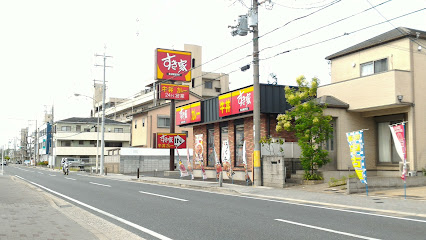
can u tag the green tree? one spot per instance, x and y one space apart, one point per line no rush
306 119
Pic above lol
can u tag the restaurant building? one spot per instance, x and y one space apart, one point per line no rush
229 117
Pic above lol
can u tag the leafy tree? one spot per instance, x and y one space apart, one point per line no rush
307 121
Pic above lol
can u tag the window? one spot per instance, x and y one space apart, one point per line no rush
78 128
239 142
185 132
143 122
386 147
163 121
193 82
65 143
217 90
87 129
113 144
208 84
136 124
223 136
93 142
66 128
81 142
373 67
210 147
118 130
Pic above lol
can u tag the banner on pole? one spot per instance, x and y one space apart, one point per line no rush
226 158
398 135
356 146
245 162
189 163
183 172
218 166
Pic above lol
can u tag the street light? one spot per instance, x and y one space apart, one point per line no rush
97 130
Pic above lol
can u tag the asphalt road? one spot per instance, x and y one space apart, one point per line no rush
163 212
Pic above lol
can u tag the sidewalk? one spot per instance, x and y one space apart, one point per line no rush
387 202
30 213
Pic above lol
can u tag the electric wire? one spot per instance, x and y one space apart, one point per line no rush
324 26
304 8
339 36
392 24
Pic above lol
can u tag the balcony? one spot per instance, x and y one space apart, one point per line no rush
109 136
373 92
79 151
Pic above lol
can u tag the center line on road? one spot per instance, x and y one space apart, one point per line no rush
158 195
131 224
70 178
40 172
52 175
100 184
327 230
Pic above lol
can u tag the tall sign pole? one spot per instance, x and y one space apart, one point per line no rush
256 107
172 130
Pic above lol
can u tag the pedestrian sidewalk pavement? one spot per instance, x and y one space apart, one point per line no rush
27 212
387 201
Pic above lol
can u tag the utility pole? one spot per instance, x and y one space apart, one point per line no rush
256 106
103 112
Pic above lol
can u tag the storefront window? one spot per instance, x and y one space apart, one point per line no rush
210 147
239 142
223 137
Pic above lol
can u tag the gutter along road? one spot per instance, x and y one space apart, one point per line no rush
163 212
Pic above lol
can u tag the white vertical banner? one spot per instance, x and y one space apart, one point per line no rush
183 172
226 158
189 163
398 135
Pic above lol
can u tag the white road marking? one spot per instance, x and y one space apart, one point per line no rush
298 204
327 230
158 195
70 178
40 172
100 184
140 228
52 175
81 174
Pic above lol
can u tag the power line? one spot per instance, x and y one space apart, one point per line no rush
324 26
305 8
339 36
392 24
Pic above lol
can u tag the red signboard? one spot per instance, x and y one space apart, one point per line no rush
171 140
173 65
190 113
242 100
225 105
172 91
196 112
236 102
183 115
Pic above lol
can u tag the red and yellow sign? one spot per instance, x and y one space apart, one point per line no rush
172 91
171 140
242 100
190 113
183 115
236 102
172 65
196 112
225 105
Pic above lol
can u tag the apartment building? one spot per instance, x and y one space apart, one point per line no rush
44 138
379 82
77 138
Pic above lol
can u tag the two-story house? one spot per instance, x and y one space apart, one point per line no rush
78 137
379 82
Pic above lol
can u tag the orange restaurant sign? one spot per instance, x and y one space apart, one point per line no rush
172 65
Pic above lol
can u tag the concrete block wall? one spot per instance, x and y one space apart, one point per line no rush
130 164
273 171
383 183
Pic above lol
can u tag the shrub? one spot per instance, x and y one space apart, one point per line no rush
312 176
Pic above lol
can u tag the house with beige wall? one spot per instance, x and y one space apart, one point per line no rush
148 122
379 82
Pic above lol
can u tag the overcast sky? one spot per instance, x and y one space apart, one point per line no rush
47 47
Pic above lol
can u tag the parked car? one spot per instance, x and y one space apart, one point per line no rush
75 163
4 162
